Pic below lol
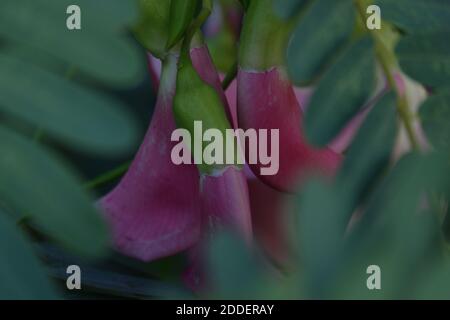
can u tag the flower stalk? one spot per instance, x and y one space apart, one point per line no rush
388 61
192 30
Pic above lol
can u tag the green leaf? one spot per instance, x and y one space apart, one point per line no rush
235 271
98 49
400 247
152 29
110 15
426 58
288 8
21 273
322 31
435 285
319 233
341 93
38 185
325 210
87 120
369 153
398 196
417 16
435 118
394 233
181 14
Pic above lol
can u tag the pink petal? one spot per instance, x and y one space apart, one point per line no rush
225 198
225 202
269 215
266 100
154 67
155 209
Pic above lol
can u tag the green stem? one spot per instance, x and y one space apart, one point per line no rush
192 30
231 75
108 176
387 59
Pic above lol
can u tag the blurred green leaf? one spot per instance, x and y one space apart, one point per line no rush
98 49
288 8
412 177
319 228
181 14
435 118
152 28
369 153
21 273
394 233
325 210
435 286
110 15
417 16
321 32
83 118
234 270
402 248
342 91
426 58
36 184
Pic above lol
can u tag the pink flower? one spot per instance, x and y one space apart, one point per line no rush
158 208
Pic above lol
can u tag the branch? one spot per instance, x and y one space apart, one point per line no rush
386 57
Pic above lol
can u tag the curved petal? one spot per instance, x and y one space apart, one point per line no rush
266 100
225 198
155 209
268 216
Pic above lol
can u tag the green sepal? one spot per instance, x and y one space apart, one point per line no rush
152 28
264 37
197 101
181 14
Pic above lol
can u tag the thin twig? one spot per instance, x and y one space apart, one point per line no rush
230 76
384 56
108 176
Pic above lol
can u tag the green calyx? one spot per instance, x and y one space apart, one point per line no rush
152 27
199 110
182 13
162 24
264 37
197 103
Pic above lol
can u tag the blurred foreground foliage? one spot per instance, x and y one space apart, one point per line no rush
398 227
392 214
39 96
402 222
